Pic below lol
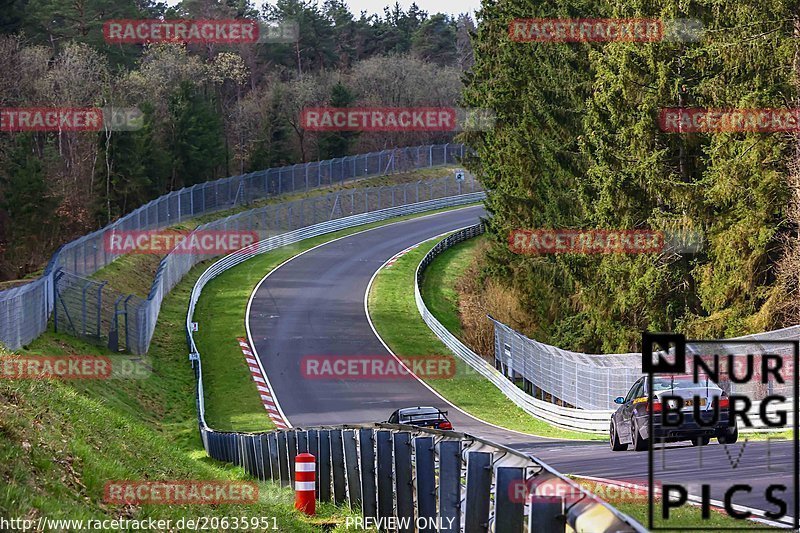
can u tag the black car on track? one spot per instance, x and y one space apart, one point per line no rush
629 423
426 417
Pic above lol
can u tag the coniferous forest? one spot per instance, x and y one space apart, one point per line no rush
578 145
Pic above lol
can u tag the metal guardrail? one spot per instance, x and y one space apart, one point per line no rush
25 310
404 471
593 421
626 367
387 470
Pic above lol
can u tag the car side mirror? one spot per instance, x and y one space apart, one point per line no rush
619 399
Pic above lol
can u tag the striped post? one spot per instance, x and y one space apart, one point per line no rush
305 484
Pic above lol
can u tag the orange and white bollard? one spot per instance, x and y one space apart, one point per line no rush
305 481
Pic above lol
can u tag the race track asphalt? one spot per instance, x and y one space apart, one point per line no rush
313 306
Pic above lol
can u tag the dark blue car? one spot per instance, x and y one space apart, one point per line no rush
629 423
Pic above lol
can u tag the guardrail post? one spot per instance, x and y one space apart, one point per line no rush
369 506
313 447
404 486
274 462
258 457
291 448
426 481
244 453
450 485
547 514
509 501
266 464
337 463
351 464
283 460
302 442
385 493
479 486
237 450
324 460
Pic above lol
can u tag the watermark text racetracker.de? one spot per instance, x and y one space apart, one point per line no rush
180 492
200 242
199 523
708 120
601 241
396 119
70 119
358 367
199 31
580 30
73 367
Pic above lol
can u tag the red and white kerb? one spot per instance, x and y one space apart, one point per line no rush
261 385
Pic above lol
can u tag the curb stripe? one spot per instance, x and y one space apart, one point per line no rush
261 385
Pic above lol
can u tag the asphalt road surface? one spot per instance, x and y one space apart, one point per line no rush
314 306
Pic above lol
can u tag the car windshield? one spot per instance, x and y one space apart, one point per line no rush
662 383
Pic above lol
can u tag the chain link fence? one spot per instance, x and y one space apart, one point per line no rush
93 311
592 381
25 310
276 219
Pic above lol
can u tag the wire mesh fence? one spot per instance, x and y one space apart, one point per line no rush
592 381
95 312
285 217
25 310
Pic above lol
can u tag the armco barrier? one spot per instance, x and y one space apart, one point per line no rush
395 471
620 369
594 421
303 216
444 480
24 310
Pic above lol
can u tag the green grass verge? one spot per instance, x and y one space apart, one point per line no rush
688 517
60 441
439 284
232 401
395 316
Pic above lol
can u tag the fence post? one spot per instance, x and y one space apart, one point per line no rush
547 514
291 447
385 493
479 485
324 459
450 484
313 449
509 498
283 459
351 464
274 462
404 486
337 463
426 481
266 460
368 490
